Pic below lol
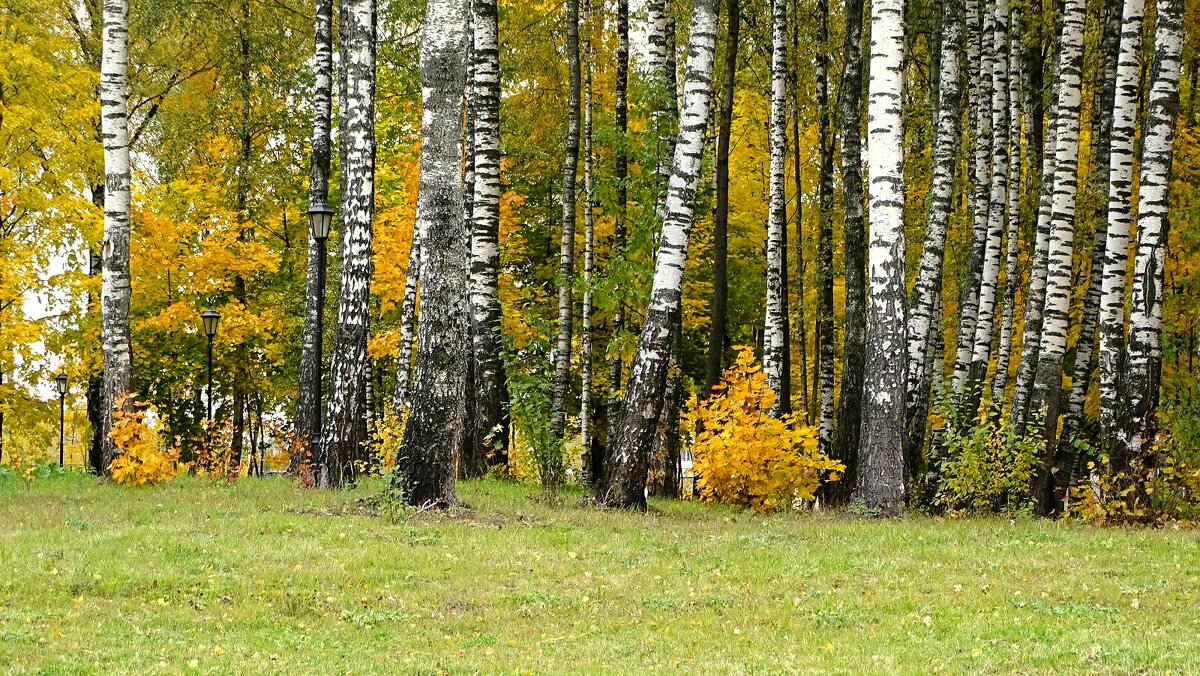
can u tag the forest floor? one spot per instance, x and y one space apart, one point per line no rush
262 576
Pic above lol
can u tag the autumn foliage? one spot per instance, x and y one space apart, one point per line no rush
744 456
143 459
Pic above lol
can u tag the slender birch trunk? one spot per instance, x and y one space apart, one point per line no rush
408 325
1035 298
1098 159
824 328
925 313
854 356
881 479
718 332
625 481
344 432
775 324
997 210
318 192
435 432
801 269
1120 215
585 399
621 175
1047 390
1013 234
1144 361
491 419
979 69
566 253
115 280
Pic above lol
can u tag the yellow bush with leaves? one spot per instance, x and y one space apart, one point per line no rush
143 459
744 456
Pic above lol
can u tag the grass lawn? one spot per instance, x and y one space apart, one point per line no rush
262 576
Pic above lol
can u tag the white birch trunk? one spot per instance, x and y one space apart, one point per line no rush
408 325
774 336
585 399
881 476
115 280
1005 351
1145 314
1047 392
344 430
1120 216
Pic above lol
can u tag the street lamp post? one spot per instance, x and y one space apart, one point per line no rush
210 319
320 218
61 382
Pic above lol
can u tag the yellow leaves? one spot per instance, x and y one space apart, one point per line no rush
143 459
743 455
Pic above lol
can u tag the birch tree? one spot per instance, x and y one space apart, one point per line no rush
435 432
846 442
566 253
589 235
1144 360
408 326
1047 390
997 208
318 193
924 319
775 323
625 479
344 431
1120 216
1013 233
881 475
824 328
491 421
115 282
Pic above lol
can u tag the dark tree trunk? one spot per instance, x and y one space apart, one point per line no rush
435 432
718 331
846 441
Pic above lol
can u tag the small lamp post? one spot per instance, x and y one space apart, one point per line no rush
320 218
61 382
210 319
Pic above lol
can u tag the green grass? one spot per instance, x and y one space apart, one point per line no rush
262 576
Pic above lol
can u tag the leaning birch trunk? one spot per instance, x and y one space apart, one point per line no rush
1144 368
566 253
344 432
491 421
774 329
585 397
925 311
824 328
997 212
979 66
408 325
1120 215
849 410
434 434
624 483
1047 388
881 476
115 281
1005 351
318 192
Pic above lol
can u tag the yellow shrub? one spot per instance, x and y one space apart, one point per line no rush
746 457
143 459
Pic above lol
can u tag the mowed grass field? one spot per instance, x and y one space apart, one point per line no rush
265 577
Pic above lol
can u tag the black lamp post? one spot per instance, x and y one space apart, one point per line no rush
61 382
320 218
210 318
